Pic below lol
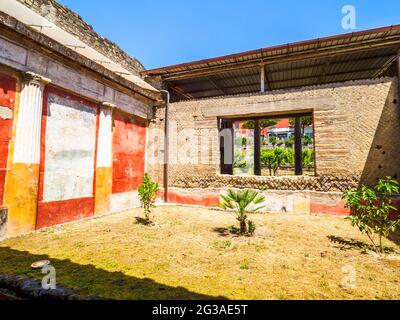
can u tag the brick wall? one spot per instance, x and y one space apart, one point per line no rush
357 130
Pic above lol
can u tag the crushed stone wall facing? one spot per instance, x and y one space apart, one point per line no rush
356 126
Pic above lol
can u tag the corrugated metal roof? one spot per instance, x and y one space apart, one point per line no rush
362 55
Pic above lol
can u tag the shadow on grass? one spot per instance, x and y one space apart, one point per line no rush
226 232
144 222
351 244
347 244
89 280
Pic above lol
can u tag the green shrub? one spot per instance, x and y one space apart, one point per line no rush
274 158
306 141
308 158
371 207
267 159
273 140
244 142
147 194
289 143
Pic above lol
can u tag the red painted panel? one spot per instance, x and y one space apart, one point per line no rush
8 86
57 212
129 143
52 213
334 209
198 200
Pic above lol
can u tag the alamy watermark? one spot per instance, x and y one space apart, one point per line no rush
49 280
349 277
349 21
190 146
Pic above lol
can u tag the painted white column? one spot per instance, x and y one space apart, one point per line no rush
104 147
29 121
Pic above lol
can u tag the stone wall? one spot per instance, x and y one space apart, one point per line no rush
75 25
356 126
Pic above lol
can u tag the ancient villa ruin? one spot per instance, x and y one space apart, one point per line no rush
81 121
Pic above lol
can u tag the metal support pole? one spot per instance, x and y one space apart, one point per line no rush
257 148
298 147
166 145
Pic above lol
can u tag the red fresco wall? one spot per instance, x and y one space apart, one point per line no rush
129 144
332 209
8 86
58 212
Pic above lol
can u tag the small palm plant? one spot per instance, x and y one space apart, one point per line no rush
148 193
242 203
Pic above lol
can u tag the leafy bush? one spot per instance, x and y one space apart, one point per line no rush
308 158
280 143
242 202
274 158
306 140
289 157
147 194
273 140
371 207
289 143
244 142
267 158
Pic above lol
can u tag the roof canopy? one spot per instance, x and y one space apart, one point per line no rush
353 56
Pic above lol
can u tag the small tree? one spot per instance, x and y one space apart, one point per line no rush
264 123
147 194
280 158
306 141
289 143
244 142
371 207
242 203
273 140
267 159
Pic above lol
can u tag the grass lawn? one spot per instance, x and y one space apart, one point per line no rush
189 255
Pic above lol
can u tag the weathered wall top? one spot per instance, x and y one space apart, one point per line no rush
71 22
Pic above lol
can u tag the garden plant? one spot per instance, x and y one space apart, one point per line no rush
147 194
242 203
371 209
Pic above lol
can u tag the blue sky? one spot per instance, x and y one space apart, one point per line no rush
165 32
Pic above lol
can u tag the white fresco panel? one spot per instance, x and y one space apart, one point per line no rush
69 150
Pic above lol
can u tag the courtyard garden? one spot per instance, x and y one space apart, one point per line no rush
192 253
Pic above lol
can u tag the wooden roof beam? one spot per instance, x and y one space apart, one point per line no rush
180 91
286 80
284 58
192 81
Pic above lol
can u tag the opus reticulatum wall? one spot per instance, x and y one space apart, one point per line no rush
356 127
